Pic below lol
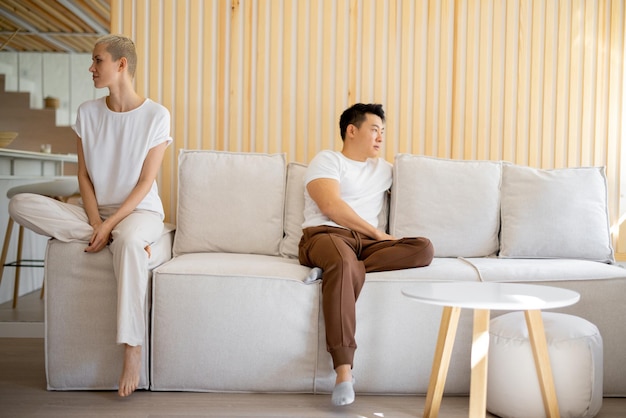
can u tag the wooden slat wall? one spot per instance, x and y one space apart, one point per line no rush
538 83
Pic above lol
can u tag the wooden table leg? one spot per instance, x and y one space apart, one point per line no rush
537 336
480 351
443 352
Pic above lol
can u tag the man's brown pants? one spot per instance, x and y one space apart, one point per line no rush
344 257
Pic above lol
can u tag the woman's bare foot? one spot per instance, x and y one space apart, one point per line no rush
129 380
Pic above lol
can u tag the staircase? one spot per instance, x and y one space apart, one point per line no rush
34 126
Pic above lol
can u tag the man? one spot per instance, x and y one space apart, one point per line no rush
344 194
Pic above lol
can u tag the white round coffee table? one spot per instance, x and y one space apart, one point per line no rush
484 297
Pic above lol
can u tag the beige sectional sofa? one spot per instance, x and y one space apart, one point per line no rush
232 310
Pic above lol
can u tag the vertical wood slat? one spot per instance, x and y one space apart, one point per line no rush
234 92
598 120
139 35
546 151
576 82
498 74
391 84
485 54
536 78
532 82
460 86
405 79
276 20
312 91
262 90
471 81
167 185
327 86
418 130
287 104
209 70
590 62
615 115
511 61
192 74
563 93
302 74
247 60
342 61
445 80
524 81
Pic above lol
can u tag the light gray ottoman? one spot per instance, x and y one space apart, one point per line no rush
575 349
80 316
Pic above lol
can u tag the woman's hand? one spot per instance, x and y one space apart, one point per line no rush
100 238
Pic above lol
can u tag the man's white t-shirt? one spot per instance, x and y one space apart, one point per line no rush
362 186
115 145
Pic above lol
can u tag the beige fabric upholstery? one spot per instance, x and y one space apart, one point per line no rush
456 204
575 350
80 312
230 202
560 213
232 311
294 210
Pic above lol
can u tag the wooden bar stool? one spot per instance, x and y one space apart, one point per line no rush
62 190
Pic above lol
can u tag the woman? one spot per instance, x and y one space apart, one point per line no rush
121 141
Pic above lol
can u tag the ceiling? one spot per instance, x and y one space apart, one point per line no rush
70 26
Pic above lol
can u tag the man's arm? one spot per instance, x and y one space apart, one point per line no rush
325 192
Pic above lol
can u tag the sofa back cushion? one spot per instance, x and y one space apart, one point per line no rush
230 202
560 213
456 204
294 210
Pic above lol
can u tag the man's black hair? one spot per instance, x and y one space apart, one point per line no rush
355 115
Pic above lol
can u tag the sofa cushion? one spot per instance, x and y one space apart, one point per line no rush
234 323
80 316
230 202
294 210
456 204
494 269
560 213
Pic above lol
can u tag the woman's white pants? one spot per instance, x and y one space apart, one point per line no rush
68 222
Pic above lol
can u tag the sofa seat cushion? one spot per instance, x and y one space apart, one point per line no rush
234 322
441 268
492 269
233 266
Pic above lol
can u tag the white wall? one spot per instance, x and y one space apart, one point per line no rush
66 77
63 76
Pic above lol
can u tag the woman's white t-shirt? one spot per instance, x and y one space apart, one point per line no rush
115 145
362 186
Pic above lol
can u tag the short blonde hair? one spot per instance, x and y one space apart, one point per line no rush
121 46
